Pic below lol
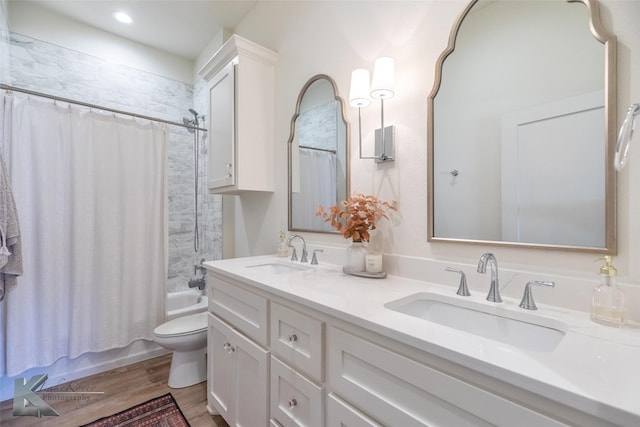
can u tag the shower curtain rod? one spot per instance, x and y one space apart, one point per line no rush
97 107
318 149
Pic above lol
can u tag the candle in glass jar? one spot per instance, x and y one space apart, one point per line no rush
373 263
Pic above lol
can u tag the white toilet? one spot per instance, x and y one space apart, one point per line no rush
187 337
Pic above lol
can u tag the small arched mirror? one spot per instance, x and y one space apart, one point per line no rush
522 128
318 154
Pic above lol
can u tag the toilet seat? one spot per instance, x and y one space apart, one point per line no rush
186 325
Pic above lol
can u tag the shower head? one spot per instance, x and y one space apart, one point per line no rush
195 116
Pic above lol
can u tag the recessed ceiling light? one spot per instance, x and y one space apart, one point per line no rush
122 17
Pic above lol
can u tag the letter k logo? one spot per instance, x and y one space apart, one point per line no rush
24 392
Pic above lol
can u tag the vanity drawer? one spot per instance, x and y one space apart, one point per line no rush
245 310
298 340
399 391
295 400
340 413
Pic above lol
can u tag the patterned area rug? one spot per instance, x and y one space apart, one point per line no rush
162 411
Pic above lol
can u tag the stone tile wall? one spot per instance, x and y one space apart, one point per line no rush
4 43
51 69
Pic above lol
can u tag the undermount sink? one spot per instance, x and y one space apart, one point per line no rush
278 268
514 327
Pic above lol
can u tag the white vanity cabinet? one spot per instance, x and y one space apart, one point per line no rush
298 365
241 86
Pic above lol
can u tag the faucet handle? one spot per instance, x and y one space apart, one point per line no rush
314 258
463 290
294 255
527 299
304 257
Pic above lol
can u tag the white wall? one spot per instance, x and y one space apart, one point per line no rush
336 37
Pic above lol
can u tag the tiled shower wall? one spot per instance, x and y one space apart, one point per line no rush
4 42
47 68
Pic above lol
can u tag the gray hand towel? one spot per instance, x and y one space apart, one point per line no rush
10 245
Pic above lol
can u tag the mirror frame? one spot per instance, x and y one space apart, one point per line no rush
290 143
609 42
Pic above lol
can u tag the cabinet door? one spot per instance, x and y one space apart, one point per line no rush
252 383
220 373
238 378
222 132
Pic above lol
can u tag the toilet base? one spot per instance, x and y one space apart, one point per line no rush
188 368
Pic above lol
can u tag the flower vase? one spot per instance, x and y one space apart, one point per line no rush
356 257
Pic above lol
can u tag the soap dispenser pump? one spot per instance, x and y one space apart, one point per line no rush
607 304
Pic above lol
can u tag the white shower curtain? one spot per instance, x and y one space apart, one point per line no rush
90 190
318 178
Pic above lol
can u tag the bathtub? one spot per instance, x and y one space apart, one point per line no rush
186 302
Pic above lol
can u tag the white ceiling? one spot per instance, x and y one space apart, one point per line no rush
179 27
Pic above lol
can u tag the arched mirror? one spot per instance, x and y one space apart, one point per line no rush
521 128
318 154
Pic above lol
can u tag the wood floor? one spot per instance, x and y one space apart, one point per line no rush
122 388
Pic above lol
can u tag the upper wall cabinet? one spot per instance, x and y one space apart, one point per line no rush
240 81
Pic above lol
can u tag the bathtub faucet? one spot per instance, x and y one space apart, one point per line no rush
198 283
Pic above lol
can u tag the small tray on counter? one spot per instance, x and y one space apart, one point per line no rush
380 275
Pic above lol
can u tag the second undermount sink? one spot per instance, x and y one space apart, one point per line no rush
278 268
514 327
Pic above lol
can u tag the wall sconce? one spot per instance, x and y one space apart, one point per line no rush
360 96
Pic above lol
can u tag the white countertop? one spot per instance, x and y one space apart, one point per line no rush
594 368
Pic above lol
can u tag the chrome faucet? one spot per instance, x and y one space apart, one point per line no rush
294 256
494 290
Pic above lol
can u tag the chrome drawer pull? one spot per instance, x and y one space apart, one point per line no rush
293 338
292 403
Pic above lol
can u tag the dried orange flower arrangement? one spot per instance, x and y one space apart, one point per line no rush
357 215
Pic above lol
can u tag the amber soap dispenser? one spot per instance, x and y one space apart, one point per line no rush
607 304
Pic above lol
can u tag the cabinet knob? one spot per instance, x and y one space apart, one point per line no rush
226 346
292 403
293 338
